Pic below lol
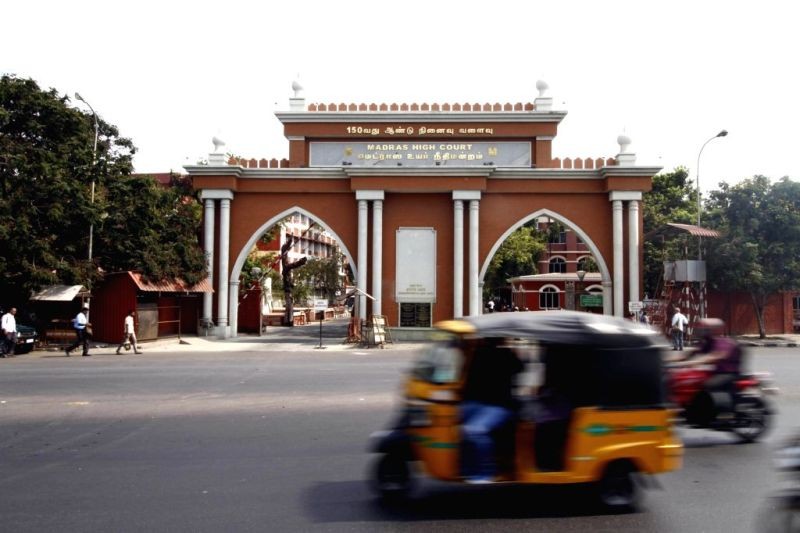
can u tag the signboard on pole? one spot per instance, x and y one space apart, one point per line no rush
635 307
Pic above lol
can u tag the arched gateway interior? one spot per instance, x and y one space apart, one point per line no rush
419 198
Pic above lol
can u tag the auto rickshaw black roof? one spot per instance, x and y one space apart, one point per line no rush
558 327
597 359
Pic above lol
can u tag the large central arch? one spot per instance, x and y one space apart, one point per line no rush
605 272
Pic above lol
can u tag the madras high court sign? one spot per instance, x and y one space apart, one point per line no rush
419 198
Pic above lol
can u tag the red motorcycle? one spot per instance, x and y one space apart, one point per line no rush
742 408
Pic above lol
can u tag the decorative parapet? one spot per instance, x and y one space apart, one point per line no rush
567 163
518 107
258 163
586 163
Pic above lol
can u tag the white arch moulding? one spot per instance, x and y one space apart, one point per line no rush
605 274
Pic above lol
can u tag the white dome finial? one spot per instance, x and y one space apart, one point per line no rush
542 87
297 88
624 142
218 144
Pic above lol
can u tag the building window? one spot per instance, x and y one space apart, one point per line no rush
548 298
558 265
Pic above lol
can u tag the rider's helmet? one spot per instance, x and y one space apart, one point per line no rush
709 327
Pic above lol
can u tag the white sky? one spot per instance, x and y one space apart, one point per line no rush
670 75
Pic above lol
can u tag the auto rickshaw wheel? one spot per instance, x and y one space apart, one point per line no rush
617 488
393 479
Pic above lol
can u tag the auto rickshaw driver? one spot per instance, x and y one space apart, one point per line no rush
488 405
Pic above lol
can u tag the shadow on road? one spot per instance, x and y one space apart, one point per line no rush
352 501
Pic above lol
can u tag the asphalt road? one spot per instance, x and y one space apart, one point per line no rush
276 441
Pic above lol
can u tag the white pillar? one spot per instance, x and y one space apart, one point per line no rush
458 258
474 296
618 257
233 310
633 250
361 278
224 255
377 255
208 247
608 296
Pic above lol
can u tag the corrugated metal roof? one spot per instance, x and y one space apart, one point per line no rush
175 285
671 229
60 293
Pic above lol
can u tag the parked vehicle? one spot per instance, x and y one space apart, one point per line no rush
744 410
608 373
26 339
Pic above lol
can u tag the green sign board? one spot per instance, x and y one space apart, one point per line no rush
591 300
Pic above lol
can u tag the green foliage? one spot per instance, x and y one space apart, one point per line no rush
47 168
151 229
759 252
256 266
322 276
517 256
673 198
588 264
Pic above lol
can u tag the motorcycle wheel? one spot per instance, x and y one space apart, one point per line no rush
752 419
392 477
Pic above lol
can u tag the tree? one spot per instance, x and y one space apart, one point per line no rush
759 252
151 229
288 283
323 275
672 199
517 256
47 167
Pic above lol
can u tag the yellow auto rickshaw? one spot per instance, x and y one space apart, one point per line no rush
601 375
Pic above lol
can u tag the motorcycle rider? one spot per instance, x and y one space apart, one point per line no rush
724 354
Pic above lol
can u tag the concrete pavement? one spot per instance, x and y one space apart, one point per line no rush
284 339
332 338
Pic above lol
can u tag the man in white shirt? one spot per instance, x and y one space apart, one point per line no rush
679 322
129 336
9 327
79 323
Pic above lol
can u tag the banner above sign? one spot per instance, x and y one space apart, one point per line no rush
420 154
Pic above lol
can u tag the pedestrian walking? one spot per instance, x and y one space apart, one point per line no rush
9 327
129 335
80 324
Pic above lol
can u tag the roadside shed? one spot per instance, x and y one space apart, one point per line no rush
53 308
163 309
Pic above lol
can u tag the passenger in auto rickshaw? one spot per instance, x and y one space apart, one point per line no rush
488 405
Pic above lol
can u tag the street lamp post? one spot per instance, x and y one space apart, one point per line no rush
722 133
94 162
579 288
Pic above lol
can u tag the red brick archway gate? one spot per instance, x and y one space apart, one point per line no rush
420 198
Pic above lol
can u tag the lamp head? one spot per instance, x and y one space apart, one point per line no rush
723 133
79 97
